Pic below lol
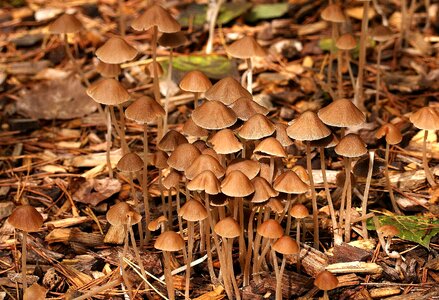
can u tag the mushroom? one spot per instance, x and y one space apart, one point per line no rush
326 281
285 246
224 116
274 149
227 91
255 128
195 82
388 232
345 43
299 212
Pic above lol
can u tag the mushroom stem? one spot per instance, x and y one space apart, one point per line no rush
279 282
122 27
145 180
358 95
123 141
262 256
389 183
378 77
276 272
298 243
213 17
427 171
165 120
136 206
249 249
108 141
168 275
242 246
155 82
213 278
314 196
23 260
351 73
190 226
196 97
75 64
136 251
325 295
126 280
228 246
249 75
348 201
366 193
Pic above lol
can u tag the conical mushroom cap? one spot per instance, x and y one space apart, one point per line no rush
263 190
236 184
333 13
346 42
35 292
275 205
224 116
282 136
426 118
326 281
308 127
290 183
227 228
326 142
246 107
26 218
257 127
169 241
116 51
172 40
122 213
193 211
270 229
159 159
172 180
225 142
108 70
299 211
144 110
227 91
171 140
155 15
391 132
244 48
192 129
351 146
108 91
249 167
381 33
183 156
130 162
202 163
270 146
195 82
205 181
66 23
341 113
286 246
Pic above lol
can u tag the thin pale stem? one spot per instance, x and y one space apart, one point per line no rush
24 260
190 245
168 276
359 95
249 248
122 27
378 77
366 193
196 97
298 238
165 119
108 141
145 181
249 75
389 183
313 195
136 206
348 212
123 140
427 170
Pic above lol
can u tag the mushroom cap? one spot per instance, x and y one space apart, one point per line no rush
299 211
225 142
263 190
130 162
169 241
116 51
327 142
333 13
308 127
183 156
205 181
122 213
35 292
351 145
275 205
246 47
171 140
286 245
155 15
326 281
391 132
64 24
195 82
173 39
204 162
236 184
249 167
426 118
388 230
246 107
281 135
172 180
192 129
270 146
149 69
155 224
290 183
381 33
227 228
341 113
301 172
227 91
108 91
193 211
346 42
270 229
224 116
144 110
108 70
257 127
26 218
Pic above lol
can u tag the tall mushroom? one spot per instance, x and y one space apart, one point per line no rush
326 281
195 82
285 246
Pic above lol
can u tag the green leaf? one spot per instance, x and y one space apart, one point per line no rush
267 11
230 11
214 66
411 228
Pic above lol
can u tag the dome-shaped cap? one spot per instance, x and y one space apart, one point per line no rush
227 228
246 107
130 162
156 223
195 81
299 211
172 180
281 135
341 113
257 127
193 211
108 70
388 231
35 292
286 246
246 47
351 146
183 156
172 40
270 146
123 214
155 15
263 190
169 241
66 23
426 118
171 140
202 163
391 132
326 142
192 129
26 218
333 13
381 33
227 91
108 91
270 229
116 51
203 115
225 142
236 184
144 110
308 127
326 281
249 167
346 42
290 183
205 181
